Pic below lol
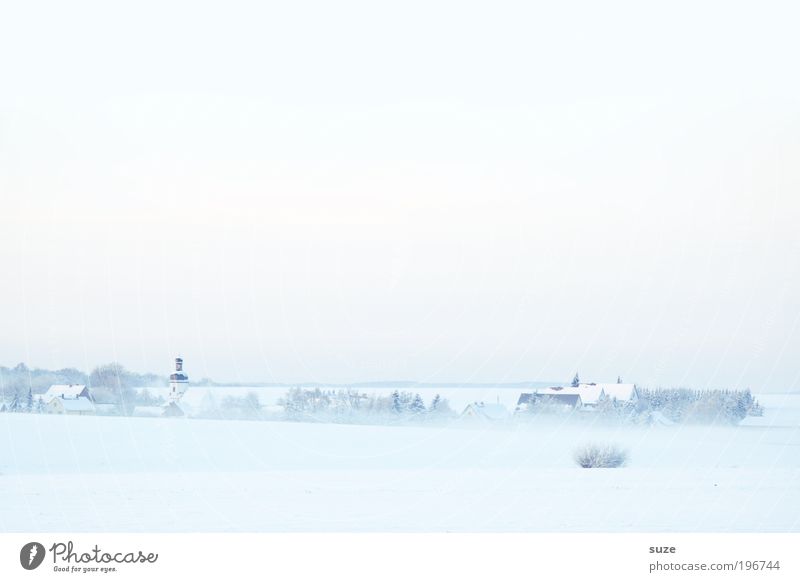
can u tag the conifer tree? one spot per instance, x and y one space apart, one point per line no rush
396 405
417 405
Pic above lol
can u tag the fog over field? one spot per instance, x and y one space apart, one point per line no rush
61 473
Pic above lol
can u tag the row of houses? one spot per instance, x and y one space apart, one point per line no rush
74 399
584 397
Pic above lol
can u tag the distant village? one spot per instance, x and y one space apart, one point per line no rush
578 396
618 401
77 399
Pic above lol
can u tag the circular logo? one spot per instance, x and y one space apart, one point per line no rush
31 555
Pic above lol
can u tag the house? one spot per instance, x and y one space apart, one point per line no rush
584 398
80 406
67 391
69 399
486 412
522 402
590 394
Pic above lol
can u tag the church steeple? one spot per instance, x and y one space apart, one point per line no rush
178 382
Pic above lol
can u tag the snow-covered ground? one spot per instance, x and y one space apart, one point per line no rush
157 474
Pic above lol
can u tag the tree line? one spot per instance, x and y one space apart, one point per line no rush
352 406
673 405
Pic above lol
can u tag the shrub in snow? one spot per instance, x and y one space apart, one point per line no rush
595 456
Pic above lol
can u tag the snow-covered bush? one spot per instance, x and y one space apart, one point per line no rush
596 456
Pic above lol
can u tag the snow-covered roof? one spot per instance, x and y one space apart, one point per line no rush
81 404
589 393
622 392
557 390
488 411
64 390
574 400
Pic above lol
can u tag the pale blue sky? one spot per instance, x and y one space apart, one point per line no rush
437 191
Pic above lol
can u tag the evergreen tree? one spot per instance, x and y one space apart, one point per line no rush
417 405
29 401
14 406
40 405
619 379
396 404
435 403
576 380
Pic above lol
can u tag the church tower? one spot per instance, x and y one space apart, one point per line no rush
178 382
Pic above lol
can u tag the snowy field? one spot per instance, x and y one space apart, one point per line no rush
72 474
